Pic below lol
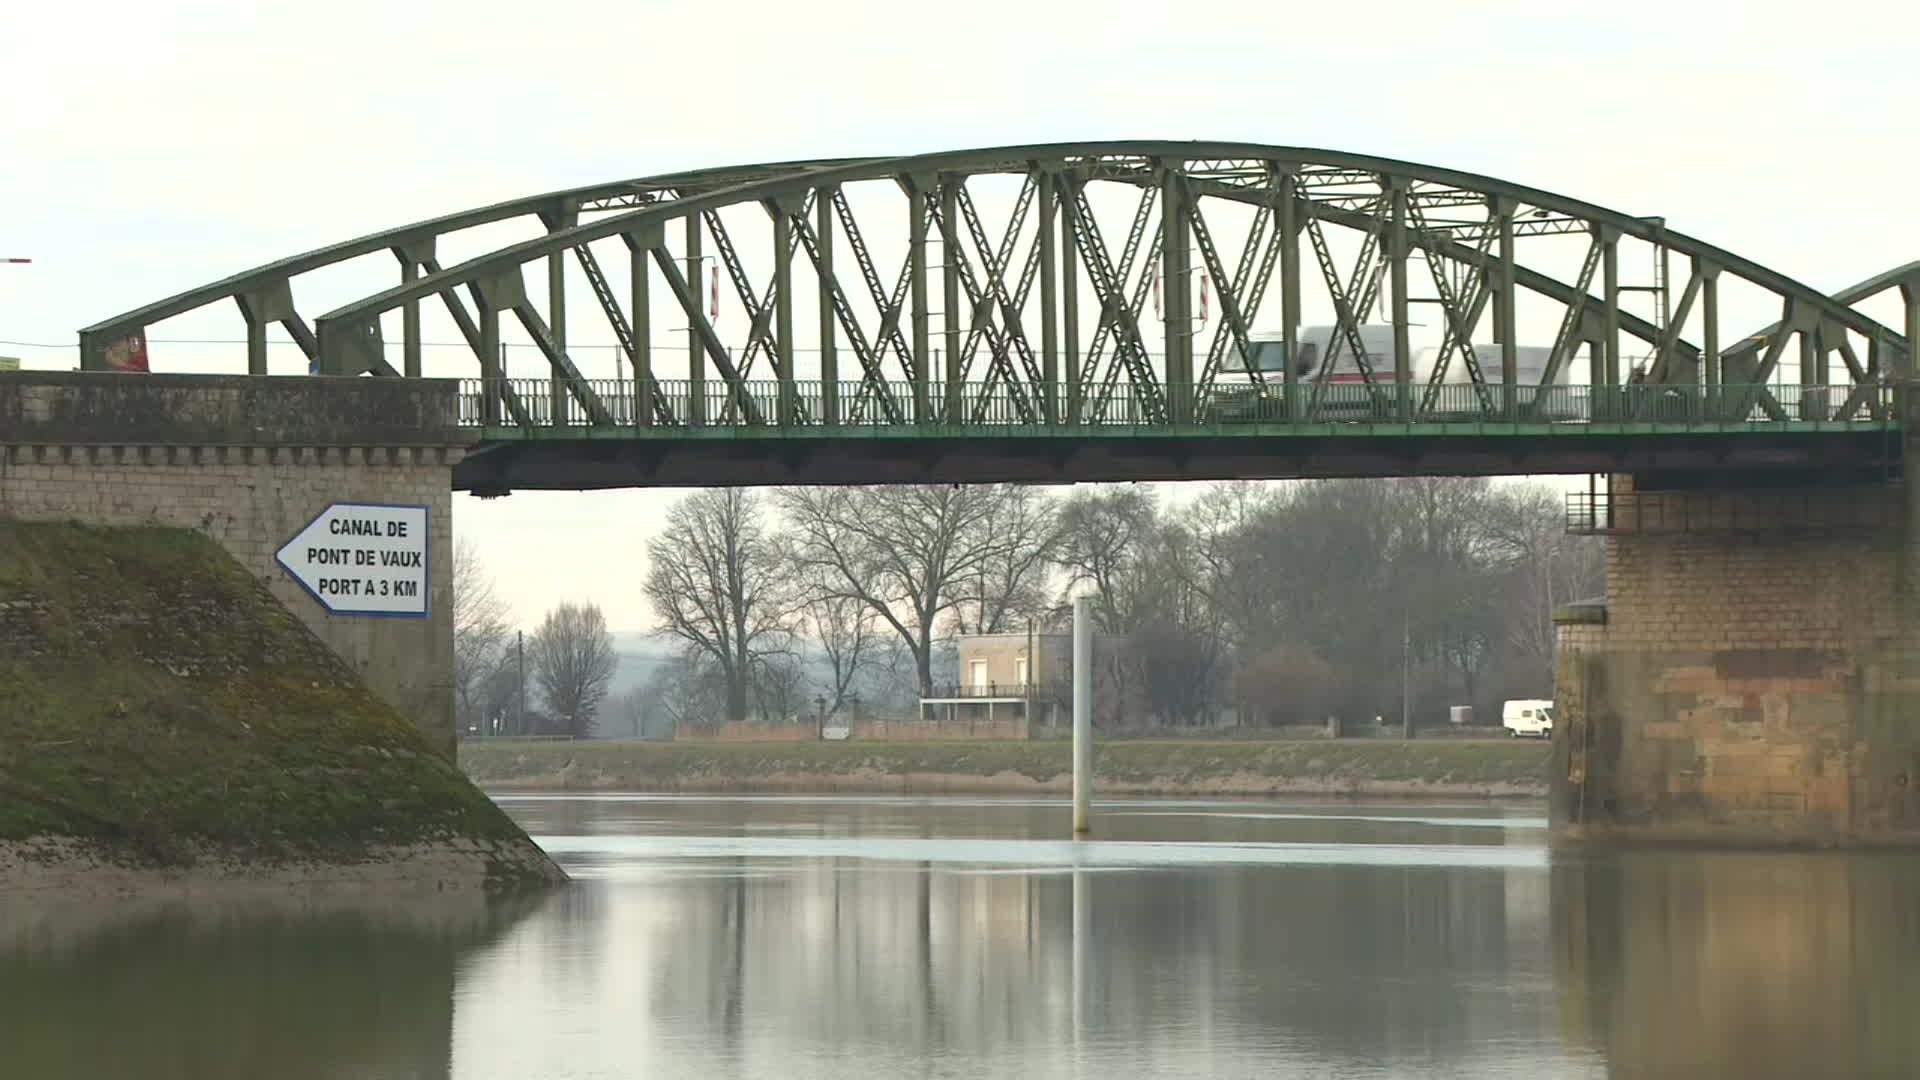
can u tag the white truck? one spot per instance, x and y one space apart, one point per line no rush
1528 717
1343 394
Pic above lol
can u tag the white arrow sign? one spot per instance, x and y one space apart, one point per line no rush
362 559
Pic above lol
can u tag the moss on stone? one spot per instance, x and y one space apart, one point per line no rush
157 701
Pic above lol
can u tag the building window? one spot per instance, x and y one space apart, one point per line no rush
1020 671
978 674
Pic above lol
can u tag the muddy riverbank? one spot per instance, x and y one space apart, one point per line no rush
1348 767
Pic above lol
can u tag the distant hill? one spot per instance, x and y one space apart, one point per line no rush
639 656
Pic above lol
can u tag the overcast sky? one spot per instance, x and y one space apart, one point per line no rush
146 148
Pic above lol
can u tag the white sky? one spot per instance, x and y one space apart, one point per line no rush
146 148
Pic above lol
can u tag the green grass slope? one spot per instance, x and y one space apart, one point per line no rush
157 701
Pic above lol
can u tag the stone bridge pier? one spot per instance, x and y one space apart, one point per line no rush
250 461
1753 673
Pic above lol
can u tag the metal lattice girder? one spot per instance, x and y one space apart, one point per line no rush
1462 313
622 331
1119 316
983 300
1472 231
1246 292
842 311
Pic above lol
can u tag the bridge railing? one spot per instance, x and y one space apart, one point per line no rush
675 404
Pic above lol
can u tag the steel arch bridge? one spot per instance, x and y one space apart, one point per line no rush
1124 310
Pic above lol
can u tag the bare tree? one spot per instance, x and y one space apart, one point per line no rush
1545 567
906 552
997 595
501 698
719 583
630 714
1282 682
479 633
1177 640
847 632
572 659
683 692
779 687
1103 537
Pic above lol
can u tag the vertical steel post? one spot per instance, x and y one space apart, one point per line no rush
1176 322
917 280
1397 268
1814 371
1503 314
256 345
557 329
1290 292
409 321
783 311
829 359
1610 305
643 390
1082 715
1070 296
696 355
1910 298
1710 325
1049 301
950 297
493 373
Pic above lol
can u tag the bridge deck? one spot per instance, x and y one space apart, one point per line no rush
1786 435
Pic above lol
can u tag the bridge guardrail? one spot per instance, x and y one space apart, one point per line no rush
807 404
1605 513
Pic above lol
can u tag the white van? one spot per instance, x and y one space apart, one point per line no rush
1558 402
1528 716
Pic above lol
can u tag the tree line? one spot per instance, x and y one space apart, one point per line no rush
551 682
1272 603
1284 603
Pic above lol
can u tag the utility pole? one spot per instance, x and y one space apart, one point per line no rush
520 646
1406 654
1082 715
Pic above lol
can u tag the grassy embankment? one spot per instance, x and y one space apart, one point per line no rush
160 708
1159 767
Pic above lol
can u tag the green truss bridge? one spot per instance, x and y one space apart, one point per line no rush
1076 312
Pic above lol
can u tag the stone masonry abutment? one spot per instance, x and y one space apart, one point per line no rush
1753 673
250 461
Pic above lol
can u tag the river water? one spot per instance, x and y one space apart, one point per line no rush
795 938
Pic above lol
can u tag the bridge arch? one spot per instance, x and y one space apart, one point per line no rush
1475 236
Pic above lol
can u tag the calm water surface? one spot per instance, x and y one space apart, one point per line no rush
844 937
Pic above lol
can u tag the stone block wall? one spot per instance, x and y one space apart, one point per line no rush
1756 676
252 462
742 731
1006 725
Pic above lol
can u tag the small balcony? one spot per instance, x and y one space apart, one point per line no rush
981 692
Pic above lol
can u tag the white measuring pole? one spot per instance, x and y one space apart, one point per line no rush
1082 715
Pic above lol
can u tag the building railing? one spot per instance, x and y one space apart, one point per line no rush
965 691
810 404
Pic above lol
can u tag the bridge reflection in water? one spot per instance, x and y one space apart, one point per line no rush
1751 965
824 938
